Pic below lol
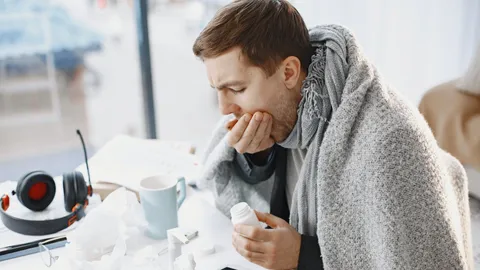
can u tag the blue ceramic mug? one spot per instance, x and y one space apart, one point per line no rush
160 203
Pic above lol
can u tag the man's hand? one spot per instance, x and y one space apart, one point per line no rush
277 248
251 134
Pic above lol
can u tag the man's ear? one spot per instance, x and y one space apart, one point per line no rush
291 71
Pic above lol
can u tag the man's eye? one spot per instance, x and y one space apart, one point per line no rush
237 91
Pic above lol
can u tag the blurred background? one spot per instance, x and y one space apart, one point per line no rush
75 64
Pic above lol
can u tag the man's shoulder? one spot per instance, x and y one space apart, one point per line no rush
390 112
403 134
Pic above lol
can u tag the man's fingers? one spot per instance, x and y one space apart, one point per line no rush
248 244
267 141
253 233
237 131
269 127
270 219
241 246
260 134
231 124
251 256
249 133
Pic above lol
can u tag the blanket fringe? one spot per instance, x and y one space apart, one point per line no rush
315 81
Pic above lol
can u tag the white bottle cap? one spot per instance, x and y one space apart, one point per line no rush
239 209
204 250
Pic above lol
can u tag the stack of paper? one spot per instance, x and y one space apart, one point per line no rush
126 160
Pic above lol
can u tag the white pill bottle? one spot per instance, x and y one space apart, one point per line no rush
242 214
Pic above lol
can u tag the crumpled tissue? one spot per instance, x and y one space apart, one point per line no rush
112 236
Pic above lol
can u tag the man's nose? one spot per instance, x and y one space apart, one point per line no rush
225 105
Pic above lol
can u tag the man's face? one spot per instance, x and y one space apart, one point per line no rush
243 88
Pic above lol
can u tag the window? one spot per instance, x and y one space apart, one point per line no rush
65 65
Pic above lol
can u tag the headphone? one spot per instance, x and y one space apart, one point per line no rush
36 191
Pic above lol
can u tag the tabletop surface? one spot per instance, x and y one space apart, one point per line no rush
196 212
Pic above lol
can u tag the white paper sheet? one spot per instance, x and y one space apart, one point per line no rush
126 160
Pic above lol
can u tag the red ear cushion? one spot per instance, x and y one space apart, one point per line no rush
24 179
36 191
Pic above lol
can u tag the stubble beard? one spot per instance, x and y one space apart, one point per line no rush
284 118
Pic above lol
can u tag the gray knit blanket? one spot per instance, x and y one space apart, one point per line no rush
375 188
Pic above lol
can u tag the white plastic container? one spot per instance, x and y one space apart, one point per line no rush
242 214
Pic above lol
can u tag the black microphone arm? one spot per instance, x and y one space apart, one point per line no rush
86 158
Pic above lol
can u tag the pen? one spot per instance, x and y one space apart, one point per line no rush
24 249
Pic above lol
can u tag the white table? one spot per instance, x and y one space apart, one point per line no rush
196 212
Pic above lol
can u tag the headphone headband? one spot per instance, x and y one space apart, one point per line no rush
39 227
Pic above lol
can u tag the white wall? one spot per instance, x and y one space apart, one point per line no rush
414 44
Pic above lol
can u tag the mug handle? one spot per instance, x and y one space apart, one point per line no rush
183 191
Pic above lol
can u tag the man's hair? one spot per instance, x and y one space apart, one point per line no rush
267 31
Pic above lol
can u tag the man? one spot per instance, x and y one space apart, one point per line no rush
345 173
